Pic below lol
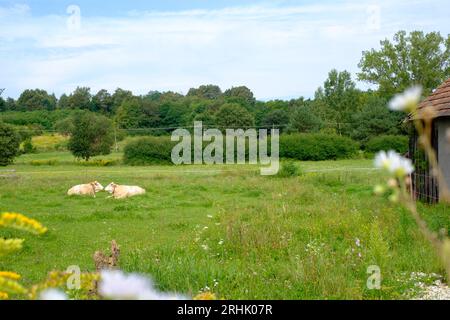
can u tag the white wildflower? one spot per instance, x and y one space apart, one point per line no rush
52 294
402 167
394 163
221 242
382 160
358 242
119 286
205 247
116 285
406 101
209 216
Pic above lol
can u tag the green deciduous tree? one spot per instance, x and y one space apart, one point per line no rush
209 91
9 144
338 99
65 126
10 104
37 99
241 95
276 118
373 120
129 114
102 102
303 119
2 101
80 99
233 115
414 58
92 135
119 96
63 102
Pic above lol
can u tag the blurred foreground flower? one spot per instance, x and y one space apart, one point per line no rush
205 296
116 285
394 163
9 284
10 275
407 101
400 185
21 222
10 245
52 294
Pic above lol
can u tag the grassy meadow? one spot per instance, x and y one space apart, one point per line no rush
226 228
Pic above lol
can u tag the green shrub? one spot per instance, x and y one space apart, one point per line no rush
157 150
289 169
49 162
397 143
27 146
99 163
316 146
9 144
148 150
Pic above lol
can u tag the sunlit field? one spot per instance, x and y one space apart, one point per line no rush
226 228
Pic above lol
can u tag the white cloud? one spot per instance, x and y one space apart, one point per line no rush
276 51
14 11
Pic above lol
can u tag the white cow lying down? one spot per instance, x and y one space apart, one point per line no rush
86 189
121 192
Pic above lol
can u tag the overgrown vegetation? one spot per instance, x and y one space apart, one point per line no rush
266 238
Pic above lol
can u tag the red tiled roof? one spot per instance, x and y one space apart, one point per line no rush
439 100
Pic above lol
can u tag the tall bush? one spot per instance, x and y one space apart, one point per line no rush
396 143
316 147
9 144
148 150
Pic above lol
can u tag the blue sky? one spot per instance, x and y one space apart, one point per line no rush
279 49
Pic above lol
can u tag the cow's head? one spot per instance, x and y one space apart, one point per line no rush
110 187
97 186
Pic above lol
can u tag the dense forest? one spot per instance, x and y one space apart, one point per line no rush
338 106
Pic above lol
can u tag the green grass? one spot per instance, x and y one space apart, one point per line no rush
283 238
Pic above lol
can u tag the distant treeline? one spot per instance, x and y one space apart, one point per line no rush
338 107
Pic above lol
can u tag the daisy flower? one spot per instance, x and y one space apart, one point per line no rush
406 101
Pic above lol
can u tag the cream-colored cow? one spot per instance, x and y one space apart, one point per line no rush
85 189
121 192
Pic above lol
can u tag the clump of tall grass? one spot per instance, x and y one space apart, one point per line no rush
289 169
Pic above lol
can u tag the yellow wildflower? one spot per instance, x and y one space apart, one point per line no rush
11 286
10 245
4 296
21 222
58 279
205 296
10 275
